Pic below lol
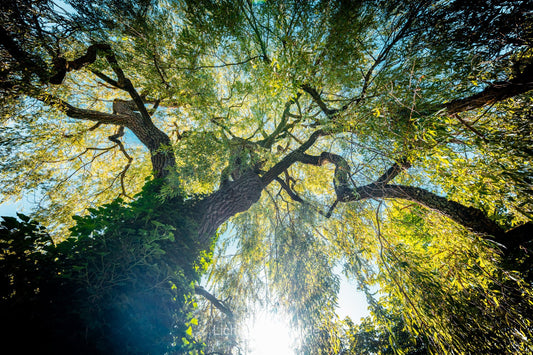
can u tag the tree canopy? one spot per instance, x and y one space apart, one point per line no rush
268 146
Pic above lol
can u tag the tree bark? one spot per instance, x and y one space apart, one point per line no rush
232 198
469 217
472 218
240 195
157 142
494 93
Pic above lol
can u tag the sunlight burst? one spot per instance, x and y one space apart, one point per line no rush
269 334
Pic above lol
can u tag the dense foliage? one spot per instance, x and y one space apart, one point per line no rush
121 283
385 141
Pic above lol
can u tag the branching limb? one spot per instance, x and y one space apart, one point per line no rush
472 218
125 84
83 114
342 171
199 290
295 197
494 93
282 126
318 100
140 123
393 171
62 66
290 158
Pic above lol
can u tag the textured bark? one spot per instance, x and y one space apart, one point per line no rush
157 142
494 93
232 198
469 217
83 114
518 236
491 95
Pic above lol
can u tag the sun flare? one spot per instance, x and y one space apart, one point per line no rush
270 334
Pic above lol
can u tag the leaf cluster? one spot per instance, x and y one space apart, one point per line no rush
456 292
121 283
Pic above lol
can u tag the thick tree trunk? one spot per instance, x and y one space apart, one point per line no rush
157 142
232 198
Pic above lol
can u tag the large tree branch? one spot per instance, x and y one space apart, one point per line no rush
199 290
315 95
142 126
393 171
469 217
126 84
63 66
83 114
157 142
495 92
472 218
290 158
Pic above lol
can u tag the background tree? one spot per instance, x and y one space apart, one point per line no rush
301 115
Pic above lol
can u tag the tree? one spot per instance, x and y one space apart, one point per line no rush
288 121
369 338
